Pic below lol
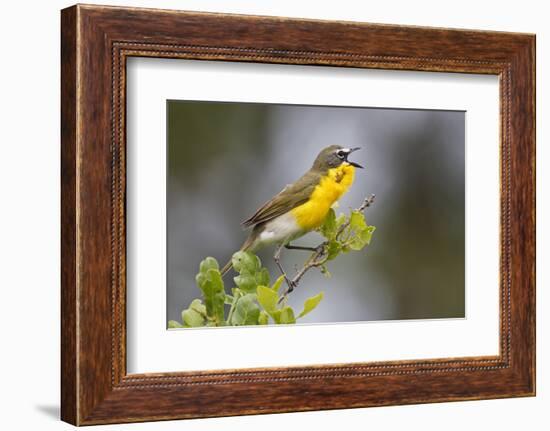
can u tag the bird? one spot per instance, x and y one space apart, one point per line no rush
302 206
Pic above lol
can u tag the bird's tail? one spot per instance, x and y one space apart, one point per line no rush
248 245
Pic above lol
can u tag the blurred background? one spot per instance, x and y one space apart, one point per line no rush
226 159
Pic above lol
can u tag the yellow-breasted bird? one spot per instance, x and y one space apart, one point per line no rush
302 206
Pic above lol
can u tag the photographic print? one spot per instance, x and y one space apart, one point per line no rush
335 217
286 214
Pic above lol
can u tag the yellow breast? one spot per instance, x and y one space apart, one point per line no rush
332 186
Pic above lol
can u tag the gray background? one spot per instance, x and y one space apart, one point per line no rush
226 159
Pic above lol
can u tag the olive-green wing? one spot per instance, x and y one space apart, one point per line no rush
290 197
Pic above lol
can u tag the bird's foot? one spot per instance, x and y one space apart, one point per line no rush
291 285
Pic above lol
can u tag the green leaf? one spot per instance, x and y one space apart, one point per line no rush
195 315
263 318
245 282
366 235
361 238
248 281
228 299
333 249
200 279
211 284
174 324
328 228
357 221
198 306
356 243
244 261
262 277
311 303
246 311
267 298
208 263
276 316
287 315
340 220
277 285
191 318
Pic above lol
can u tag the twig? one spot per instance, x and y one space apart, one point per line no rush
366 203
318 257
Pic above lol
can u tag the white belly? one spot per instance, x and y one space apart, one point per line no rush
283 229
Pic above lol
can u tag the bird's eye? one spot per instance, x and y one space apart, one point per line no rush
340 154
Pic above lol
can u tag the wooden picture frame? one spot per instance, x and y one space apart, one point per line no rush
95 43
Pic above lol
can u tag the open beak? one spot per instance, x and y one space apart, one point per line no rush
357 165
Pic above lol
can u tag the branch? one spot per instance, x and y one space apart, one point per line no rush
319 257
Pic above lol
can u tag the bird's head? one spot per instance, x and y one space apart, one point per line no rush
333 156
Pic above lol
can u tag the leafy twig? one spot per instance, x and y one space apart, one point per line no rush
320 256
255 300
367 202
